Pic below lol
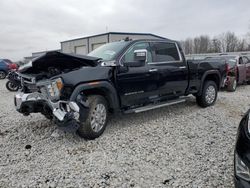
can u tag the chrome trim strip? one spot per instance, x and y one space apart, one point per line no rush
159 106
155 106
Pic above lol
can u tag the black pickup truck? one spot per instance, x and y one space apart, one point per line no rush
128 76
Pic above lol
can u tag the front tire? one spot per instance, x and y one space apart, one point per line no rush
209 94
11 86
96 121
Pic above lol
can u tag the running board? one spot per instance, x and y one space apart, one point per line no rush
155 106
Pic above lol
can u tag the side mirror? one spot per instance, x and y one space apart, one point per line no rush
140 57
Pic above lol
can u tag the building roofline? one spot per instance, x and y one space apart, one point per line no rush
114 33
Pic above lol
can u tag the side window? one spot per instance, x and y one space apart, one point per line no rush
245 60
129 55
240 61
164 52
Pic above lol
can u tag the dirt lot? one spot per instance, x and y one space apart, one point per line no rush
178 146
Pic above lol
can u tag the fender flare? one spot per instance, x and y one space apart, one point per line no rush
207 73
108 88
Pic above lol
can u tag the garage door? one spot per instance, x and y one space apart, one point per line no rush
81 50
97 45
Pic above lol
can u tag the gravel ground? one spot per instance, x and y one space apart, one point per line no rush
178 146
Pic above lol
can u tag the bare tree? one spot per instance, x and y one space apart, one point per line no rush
188 45
228 42
231 41
197 43
225 42
242 45
215 45
201 44
182 43
204 44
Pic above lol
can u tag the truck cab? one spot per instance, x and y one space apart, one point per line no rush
164 73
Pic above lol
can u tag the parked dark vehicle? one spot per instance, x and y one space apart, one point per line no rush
126 76
242 70
4 69
14 81
241 154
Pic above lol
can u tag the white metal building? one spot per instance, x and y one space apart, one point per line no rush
86 44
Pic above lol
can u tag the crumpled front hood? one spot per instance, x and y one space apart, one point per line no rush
58 60
87 74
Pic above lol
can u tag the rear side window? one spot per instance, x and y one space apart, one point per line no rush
165 52
245 60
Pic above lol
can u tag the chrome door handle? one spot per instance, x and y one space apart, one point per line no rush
153 70
183 67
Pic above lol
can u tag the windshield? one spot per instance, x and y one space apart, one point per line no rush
108 51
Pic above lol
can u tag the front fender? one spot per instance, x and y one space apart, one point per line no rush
105 86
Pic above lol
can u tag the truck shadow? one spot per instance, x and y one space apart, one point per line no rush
125 120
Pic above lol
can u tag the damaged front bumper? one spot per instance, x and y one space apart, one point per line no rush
66 114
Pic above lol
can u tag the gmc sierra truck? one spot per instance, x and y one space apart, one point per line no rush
131 76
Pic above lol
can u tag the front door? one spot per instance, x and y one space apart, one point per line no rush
136 84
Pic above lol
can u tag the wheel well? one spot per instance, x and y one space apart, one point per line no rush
100 91
215 78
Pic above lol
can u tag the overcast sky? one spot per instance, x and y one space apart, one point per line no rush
28 26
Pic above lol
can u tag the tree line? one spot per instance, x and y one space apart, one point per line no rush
225 42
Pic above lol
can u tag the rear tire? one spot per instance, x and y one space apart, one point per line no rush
232 84
96 121
209 94
3 75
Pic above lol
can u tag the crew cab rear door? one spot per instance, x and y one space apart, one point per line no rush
171 68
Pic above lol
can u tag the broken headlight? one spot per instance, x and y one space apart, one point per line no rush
55 87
